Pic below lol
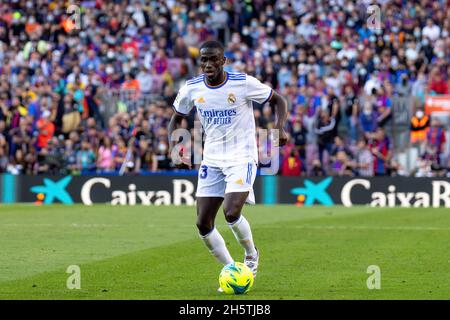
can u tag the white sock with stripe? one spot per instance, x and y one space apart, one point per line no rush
243 234
216 245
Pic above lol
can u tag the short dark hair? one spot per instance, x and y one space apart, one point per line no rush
212 44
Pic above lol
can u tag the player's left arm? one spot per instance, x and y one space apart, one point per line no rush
281 112
262 93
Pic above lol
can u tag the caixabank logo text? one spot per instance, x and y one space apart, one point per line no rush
374 192
112 190
411 193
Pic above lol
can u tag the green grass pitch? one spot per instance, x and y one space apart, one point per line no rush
155 253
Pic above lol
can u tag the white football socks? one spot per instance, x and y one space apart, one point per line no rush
217 247
243 233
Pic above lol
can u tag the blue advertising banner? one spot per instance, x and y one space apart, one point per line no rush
180 189
114 190
375 192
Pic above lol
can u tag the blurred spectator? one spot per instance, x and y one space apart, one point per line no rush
368 119
418 89
299 136
339 146
423 169
105 158
160 63
437 83
381 151
351 112
333 107
49 159
3 151
384 105
191 38
403 87
317 169
430 154
180 50
267 120
120 153
219 21
45 128
132 86
396 169
85 158
420 124
431 30
436 139
146 160
145 79
70 156
292 165
162 155
341 165
364 159
325 133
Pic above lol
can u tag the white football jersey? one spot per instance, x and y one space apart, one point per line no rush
226 114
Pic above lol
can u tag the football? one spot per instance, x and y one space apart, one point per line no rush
236 278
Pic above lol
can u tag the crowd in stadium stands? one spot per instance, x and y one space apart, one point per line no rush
339 74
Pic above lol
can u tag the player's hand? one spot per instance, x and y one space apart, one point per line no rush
282 138
185 163
180 159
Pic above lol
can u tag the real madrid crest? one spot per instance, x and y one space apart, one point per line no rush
231 98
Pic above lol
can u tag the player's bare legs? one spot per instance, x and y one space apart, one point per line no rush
232 208
232 205
207 208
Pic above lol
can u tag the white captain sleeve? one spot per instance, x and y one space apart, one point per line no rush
257 91
183 103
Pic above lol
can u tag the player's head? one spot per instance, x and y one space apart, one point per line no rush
212 59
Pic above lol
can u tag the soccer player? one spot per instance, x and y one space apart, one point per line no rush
228 168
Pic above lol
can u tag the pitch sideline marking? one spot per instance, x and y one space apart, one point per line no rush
332 227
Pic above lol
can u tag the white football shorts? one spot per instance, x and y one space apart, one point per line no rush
216 182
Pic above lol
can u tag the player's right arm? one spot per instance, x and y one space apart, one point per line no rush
182 107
